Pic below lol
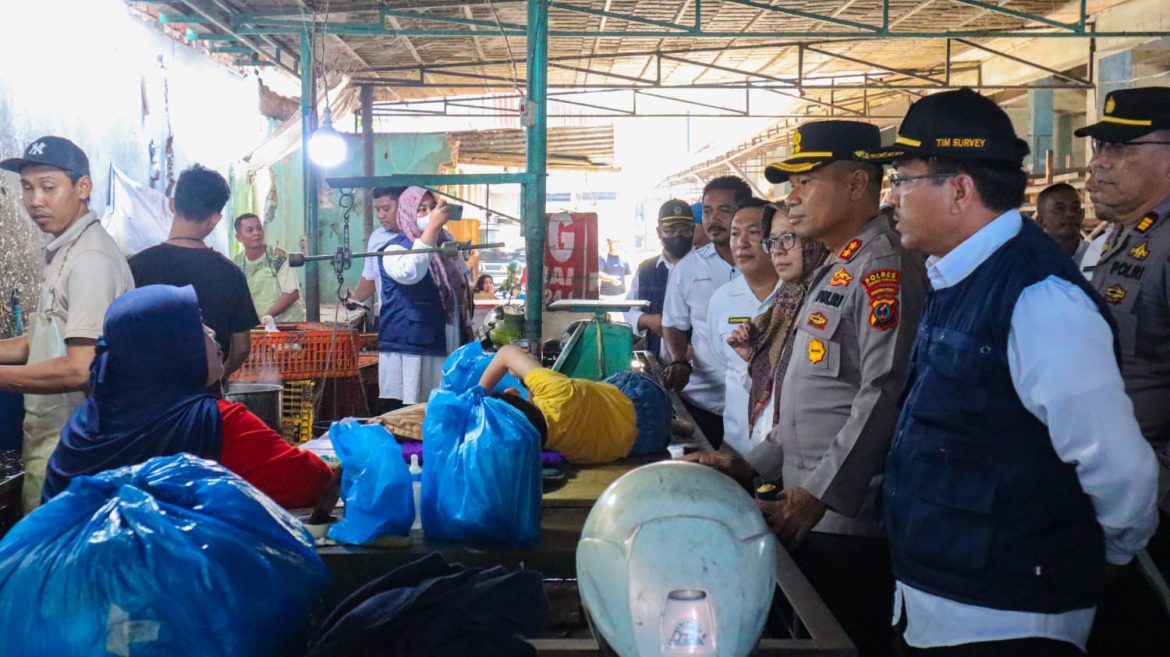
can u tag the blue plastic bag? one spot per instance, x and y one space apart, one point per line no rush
172 557
375 483
482 478
464 367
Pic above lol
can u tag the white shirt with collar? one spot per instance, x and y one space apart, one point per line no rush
379 237
733 304
1062 366
633 314
692 283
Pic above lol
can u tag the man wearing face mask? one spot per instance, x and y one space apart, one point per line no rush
676 231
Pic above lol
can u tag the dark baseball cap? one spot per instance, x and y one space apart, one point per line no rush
817 144
1131 113
50 151
675 211
956 125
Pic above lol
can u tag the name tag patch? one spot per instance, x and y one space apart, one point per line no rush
828 298
1128 270
738 320
816 351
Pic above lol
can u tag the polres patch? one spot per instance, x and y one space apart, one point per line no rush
883 314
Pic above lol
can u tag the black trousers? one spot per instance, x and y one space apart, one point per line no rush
1130 619
709 423
852 575
1010 648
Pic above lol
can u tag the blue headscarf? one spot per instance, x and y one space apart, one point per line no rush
148 392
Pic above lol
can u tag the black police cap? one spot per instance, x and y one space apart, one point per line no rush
1131 113
956 125
819 143
674 211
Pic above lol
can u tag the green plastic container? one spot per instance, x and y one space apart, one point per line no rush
597 349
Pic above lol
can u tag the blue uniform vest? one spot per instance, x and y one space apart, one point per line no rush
978 507
652 288
412 320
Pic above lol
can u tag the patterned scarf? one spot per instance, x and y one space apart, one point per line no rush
449 273
773 334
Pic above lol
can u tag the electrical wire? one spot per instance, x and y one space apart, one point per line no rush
511 57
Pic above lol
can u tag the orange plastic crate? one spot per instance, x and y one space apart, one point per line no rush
300 351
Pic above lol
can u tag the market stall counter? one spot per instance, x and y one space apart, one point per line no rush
799 624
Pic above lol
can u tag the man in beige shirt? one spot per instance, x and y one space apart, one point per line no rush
84 272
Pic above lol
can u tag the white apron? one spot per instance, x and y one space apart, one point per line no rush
44 415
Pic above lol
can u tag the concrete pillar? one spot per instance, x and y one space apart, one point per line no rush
1063 141
1040 132
1113 72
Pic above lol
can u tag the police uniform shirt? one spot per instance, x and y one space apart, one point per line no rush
692 283
839 401
1134 277
732 305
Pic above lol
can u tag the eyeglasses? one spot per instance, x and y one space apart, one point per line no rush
1117 149
897 181
785 241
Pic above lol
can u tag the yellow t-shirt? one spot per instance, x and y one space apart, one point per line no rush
588 422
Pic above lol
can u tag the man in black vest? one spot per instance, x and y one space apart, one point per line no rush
1017 471
676 231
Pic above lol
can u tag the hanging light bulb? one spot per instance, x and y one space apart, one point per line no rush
327 147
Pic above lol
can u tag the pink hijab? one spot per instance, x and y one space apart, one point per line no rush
447 272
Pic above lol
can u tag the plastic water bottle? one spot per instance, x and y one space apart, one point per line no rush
416 482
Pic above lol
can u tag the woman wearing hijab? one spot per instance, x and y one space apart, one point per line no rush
425 308
148 397
766 342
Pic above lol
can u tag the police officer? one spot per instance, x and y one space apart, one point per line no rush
1017 470
840 391
1129 185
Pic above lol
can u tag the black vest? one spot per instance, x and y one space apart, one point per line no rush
978 506
652 288
412 320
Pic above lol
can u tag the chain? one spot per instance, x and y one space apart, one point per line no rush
344 256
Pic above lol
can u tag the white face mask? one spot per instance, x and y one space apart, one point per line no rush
422 221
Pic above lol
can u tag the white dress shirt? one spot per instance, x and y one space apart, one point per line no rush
378 238
1062 365
1092 254
633 314
732 305
692 283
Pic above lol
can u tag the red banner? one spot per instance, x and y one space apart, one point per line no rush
570 256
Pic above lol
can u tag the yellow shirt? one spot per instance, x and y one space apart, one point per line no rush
588 422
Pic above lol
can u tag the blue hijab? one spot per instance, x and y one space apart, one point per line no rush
147 390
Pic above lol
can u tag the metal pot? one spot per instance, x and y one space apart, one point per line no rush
263 399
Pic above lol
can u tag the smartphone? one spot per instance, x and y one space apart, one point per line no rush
455 212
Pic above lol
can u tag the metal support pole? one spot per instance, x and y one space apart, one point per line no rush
367 98
309 172
537 152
